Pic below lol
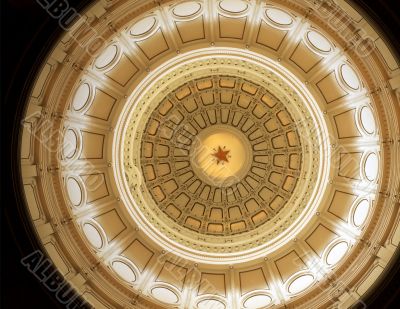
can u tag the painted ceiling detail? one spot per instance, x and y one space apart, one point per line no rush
260 164
215 154
244 195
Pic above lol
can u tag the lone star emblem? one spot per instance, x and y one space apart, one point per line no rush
221 154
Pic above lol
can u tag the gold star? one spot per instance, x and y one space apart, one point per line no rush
221 155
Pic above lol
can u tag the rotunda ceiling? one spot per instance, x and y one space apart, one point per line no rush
174 171
220 156
216 154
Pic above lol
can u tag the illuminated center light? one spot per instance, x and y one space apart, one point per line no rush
220 154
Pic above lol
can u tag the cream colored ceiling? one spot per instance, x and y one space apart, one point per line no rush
303 200
233 203
128 230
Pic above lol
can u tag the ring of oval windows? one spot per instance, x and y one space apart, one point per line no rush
293 173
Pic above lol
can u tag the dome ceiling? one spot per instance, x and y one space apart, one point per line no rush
224 161
181 174
216 154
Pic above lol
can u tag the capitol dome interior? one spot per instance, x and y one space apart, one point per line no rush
215 154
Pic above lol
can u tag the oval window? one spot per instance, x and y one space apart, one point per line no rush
336 253
74 191
106 57
371 167
257 301
350 77
279 16
143 26
93 235
300 283
124 271
233 6
210 303
164 295
319 41
186 9
361 213
70 144
367 120
81 97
